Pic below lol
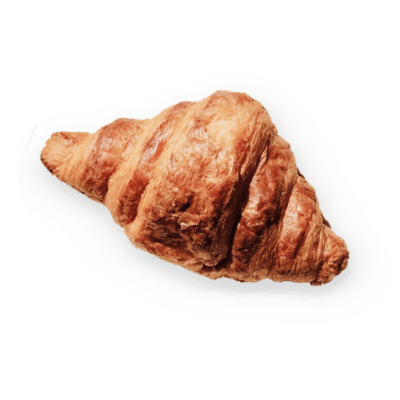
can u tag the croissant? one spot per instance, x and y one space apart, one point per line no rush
207 185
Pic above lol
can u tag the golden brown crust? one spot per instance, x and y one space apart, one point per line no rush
109 145
209 186
85 161
262 217
59 147
335 257
151 151
192 204
298 236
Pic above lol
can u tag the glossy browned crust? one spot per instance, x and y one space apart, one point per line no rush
151 150
209 186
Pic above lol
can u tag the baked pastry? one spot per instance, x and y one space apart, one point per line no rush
207 185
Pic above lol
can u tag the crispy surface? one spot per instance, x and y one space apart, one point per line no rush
188 212
209 186
133 176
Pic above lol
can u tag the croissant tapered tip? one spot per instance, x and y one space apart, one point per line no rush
59 147
336 258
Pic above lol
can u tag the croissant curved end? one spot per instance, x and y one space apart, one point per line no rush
59 147
336 258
